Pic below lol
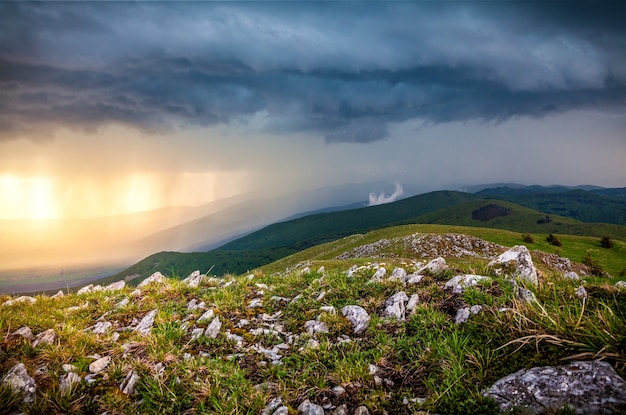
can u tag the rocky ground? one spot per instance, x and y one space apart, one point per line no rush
414 335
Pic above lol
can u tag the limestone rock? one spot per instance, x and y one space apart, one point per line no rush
398 274
581 292
194 279
156 278
25 332
413 279
620 284
67 380
412 304
434 266
45 338
525 295
214 328
196 333
100 364
85 290
272 406
19 300
116 286
516 263
460 282
379 274
340 410
314 326
308 408
123 302
20 382
571 275
129 384
357 316
102 327
463 314
395 306
208 315
361 410
589 387
59 294
145 325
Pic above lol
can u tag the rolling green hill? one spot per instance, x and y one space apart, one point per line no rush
282 239
601 205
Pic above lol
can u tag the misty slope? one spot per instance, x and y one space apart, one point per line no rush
596 205
282 239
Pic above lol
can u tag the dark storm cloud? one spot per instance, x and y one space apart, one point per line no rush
342 70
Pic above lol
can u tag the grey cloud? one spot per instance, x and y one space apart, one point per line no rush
344 71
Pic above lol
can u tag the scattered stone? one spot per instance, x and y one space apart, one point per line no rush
589 387
297 298
581 292
102 327
69 368
361 410
411 306
208 315
339 391
351 271
462 315
235 338
214 328
321 270
340 410
571 275
19 300
67 380
305 271
379 274
116 286
59 294
85 290
20 382
194 279
196 333
313 326
328 309
156 278
99 365
516 263
357 316
435 266
395 306
412 279
129 384
25 332
136 293
280 299
123 302
77 307
398 274
145 325
272 406
321 296
193 305
308 408
620 284
45 338
460 282
526 295
255 303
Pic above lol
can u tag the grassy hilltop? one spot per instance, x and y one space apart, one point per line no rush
262 349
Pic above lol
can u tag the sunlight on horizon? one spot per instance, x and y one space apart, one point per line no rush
45 198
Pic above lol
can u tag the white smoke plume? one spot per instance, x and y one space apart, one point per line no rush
382 199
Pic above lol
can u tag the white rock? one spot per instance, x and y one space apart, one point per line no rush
314 326
475 309
321 270
194 279
271 406
85 290
434 266
102 327
156 278
526 295
129 384
321 296
25 332
100 364
308 408
587 387
571 275
208 315
69 368
357 316
413 279
45 338
196 333
581 292
123 302
255 303
516 263
328 309
235 338
67 380
398 274
361 410
462 315
59 294
460 282
19 300
214 328
620 284
351 271
136 293
116 286
145 325
379 274
411 306
395 306
21 382
281 410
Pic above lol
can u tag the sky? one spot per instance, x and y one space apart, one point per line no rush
109 108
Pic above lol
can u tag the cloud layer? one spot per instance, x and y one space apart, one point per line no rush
345 71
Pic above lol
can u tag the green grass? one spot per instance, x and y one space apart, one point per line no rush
428 360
